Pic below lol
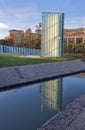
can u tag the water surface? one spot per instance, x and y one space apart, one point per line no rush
28 107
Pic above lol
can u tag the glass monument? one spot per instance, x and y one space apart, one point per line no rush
52 34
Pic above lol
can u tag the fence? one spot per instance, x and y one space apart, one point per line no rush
18 50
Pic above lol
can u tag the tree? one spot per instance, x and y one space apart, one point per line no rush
3 42
27 37
9 42
38 28
38 36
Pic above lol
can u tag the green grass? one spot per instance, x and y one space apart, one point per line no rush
77 56
8 60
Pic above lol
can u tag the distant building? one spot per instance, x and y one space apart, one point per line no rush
74 35
52 34
17 36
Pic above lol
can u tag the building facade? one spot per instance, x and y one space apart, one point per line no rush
17 36
52 34
74 35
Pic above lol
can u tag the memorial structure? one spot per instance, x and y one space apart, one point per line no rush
52 34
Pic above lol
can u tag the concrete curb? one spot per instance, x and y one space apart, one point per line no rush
12 76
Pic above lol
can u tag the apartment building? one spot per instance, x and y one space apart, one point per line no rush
17 36
76 36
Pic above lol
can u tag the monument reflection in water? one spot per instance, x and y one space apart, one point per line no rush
51 95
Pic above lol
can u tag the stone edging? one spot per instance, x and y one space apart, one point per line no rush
12 76
64 119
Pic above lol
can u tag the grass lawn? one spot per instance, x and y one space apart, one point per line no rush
76 55
7 60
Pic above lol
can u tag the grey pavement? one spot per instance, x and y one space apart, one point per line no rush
78 123
12 76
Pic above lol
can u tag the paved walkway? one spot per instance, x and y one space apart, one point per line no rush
12 76
30 56
71 118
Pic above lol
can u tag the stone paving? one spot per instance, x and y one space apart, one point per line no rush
71 118
12 76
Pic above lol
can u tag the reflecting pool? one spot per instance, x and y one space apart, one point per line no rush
28 107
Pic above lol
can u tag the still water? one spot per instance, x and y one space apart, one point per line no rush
28 107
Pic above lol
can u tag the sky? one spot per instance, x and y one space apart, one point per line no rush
24 14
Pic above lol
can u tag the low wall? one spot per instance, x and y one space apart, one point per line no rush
18 75
19 50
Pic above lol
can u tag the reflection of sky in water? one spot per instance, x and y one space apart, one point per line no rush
29 107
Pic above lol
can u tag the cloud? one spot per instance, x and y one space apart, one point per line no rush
20 16
3 26
75 22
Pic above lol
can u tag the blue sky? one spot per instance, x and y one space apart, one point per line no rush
23 14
